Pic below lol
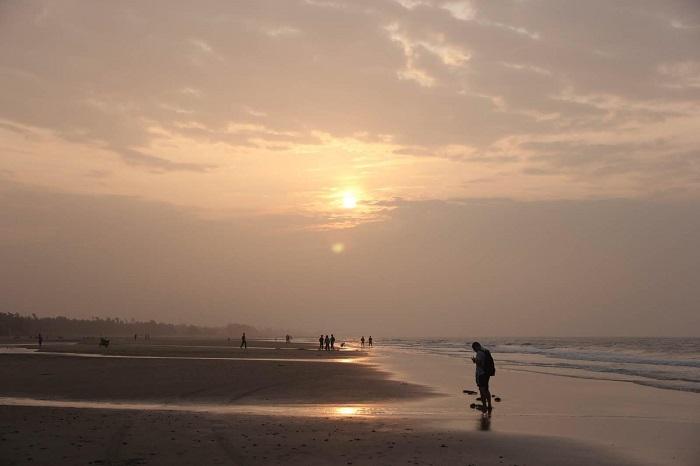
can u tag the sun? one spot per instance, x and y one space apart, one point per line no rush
349 200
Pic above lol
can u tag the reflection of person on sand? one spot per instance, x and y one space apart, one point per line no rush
244 344
485 422
485 368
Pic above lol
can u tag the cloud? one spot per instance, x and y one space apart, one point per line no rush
184 162
281 31
137 157
684 74
460 10
429 75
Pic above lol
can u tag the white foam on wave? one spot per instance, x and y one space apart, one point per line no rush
659 362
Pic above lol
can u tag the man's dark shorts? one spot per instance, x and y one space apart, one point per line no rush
483 381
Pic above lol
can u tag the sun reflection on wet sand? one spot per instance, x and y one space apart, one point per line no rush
347 410
35 351
303 410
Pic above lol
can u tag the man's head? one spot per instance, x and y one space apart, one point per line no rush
476 346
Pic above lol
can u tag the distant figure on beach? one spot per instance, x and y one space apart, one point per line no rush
362 341
320 342
244 343
332 342
287 338
485 369
40 339
327 341
370 341
136 336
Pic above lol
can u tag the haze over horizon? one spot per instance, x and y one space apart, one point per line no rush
405 167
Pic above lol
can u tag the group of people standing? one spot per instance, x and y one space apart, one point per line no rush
327 343
324 342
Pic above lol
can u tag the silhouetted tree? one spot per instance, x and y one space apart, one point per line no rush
12 325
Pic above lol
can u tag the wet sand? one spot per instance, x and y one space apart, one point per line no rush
216 374
72 437
648 424
317 409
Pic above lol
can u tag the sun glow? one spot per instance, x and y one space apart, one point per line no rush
347 411
349 200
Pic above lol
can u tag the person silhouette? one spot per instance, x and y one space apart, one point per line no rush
244 343
327 341
362 341
484 370
40 339
320 342
370 341
332 342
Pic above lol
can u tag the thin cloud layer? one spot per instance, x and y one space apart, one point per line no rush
477 81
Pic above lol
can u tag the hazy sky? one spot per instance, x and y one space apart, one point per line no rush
522 167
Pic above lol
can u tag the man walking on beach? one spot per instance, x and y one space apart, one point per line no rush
328 343
332 342
320 342
244 344
485 368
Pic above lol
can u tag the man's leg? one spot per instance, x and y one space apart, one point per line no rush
486 393
483 383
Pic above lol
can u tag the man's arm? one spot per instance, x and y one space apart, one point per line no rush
480 359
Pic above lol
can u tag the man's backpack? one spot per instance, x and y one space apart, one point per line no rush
490 365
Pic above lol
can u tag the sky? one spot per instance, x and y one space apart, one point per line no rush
398 167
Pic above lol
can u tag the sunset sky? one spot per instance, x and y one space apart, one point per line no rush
404 167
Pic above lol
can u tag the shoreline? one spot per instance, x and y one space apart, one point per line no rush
650 424
364 406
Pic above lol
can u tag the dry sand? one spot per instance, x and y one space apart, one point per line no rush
69 436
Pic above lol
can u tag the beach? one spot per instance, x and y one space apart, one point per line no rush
319 232
188 401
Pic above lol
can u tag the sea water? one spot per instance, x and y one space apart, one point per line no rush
668 363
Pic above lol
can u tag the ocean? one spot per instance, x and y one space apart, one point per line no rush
667 363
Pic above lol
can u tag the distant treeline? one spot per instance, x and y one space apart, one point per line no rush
15 325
